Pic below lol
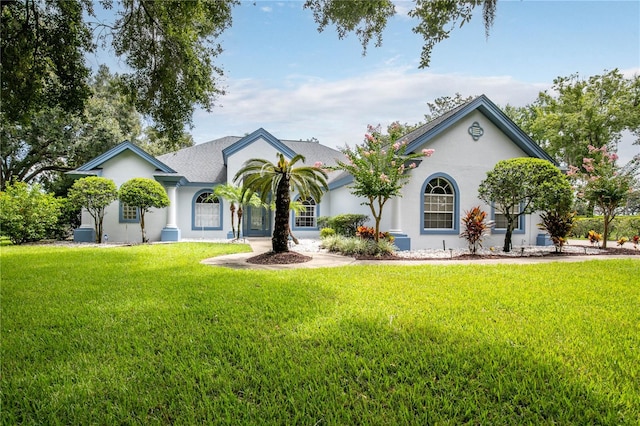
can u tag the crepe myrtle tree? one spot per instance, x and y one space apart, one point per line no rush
266 178
603 183
520 186
379 168
94 193
143 194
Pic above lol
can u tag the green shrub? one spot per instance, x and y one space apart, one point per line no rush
352 246
621 226
27 213
347 224
626 226
327 232
323 222
68 220
583 225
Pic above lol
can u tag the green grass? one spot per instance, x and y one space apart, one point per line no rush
148 335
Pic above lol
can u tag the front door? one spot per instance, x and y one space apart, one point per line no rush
258 222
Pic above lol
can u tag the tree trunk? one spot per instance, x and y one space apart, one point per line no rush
233 216
507 236
376 218
605 233
240 211
279 241
144 234
99 229
293 237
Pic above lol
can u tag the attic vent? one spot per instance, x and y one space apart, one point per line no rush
476 131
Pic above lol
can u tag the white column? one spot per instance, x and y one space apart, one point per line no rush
171 210
396 215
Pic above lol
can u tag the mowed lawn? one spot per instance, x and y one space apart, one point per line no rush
148 335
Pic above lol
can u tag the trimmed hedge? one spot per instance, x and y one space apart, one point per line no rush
344 224
621 226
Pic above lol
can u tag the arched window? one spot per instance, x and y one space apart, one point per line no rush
440 205
206 211
307 217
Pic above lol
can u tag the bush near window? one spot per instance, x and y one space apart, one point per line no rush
27 213
355 246
621 226
344 224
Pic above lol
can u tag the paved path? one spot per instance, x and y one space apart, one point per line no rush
327 260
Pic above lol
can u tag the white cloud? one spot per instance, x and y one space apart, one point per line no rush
337 112
266 9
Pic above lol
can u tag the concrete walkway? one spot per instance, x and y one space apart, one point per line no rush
328 260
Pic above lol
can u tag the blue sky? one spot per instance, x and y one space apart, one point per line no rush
284 76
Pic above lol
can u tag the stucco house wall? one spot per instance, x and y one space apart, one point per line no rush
464 162
127 165
468 141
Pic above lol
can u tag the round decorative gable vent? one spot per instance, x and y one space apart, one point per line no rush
476 131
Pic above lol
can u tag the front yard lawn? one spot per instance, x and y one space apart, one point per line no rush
148 335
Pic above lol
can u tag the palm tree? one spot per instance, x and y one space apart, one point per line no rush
265 178
235 195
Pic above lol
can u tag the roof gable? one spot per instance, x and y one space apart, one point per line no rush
249 139
425 133
117 150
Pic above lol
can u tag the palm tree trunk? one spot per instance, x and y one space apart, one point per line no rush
233 217
279 241
240 211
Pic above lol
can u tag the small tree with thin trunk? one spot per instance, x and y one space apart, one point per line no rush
94 193
143 194
605 184
379 167
520 186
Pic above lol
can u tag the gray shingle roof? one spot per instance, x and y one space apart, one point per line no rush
204 162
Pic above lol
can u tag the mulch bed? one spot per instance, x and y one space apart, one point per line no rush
271 258
291 257
609 251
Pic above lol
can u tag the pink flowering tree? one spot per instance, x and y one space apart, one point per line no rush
601 182
379 167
